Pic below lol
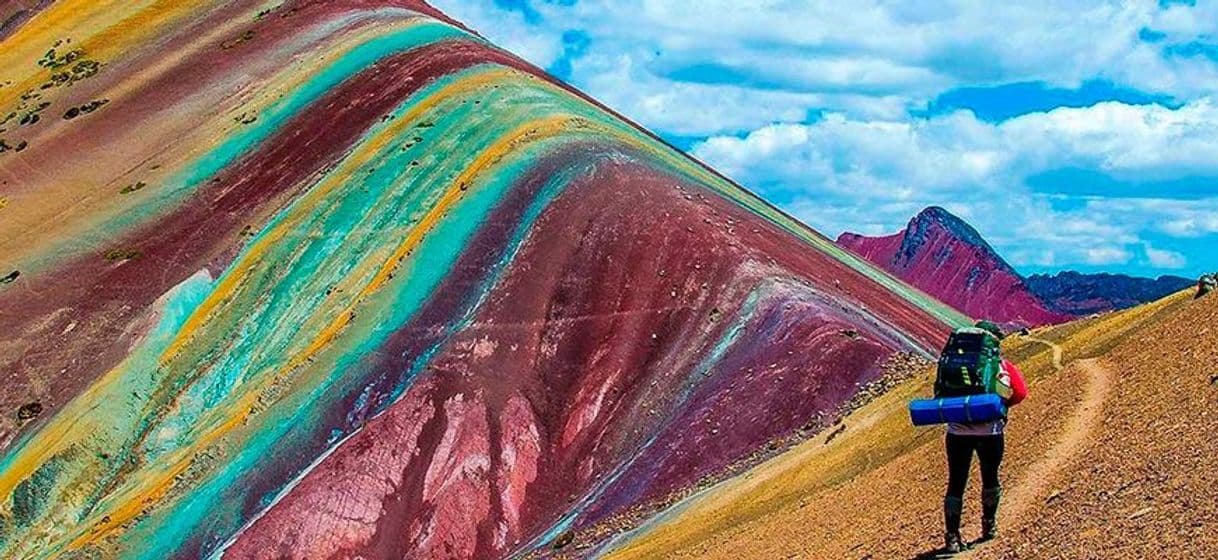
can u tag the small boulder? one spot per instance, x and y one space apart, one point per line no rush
29 411
563 540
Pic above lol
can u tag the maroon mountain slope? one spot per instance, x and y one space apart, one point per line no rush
944 256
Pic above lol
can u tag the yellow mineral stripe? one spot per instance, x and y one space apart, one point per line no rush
229 283
160 485
64 19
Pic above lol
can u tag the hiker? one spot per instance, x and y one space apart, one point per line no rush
986 440
1206 284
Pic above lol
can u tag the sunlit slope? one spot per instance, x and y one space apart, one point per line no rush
304 278
1106 459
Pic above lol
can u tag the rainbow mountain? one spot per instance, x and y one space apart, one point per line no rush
341 279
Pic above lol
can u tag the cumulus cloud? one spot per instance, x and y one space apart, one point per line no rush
822 107
685 108
775 60
1159 258
513 30
843 174
1124 141
1106 255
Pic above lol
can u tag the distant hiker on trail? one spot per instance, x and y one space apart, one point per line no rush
1207 284
974 386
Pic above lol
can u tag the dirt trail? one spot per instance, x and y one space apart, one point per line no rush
1080 427
1056 348
1111 457
1033 485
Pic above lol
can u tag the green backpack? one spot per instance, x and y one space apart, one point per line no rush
969 365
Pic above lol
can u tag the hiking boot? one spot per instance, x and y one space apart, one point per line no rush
989 529
953 508
953 543
990 498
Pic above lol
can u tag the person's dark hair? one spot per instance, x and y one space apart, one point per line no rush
991 327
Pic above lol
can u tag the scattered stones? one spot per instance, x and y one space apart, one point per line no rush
898 368
33 114
563 540
52 59
1141 512
836 432
115 255
84 109
29 411
132 187
72 67
244 38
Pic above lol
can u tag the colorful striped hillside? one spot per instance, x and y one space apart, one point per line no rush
340 279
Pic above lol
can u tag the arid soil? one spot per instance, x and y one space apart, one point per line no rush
1112 456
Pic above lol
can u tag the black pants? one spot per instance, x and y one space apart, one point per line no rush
960 451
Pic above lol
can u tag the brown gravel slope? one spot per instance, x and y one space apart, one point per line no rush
1148 484
1111 457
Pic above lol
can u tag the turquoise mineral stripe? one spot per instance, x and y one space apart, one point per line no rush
178 429
441 248
352 218
387 325
341 217
177 305
271 119
691 169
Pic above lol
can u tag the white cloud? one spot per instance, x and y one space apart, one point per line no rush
506 28
1128 141
1106 255
863 58
1125 141
684 108
1159 258
899 160
747 77
1175 218
845 174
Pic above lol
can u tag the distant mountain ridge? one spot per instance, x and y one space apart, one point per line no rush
946 257
1083 294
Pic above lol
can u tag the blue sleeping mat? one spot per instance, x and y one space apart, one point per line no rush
968 410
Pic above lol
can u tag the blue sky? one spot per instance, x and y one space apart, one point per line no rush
1073 134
